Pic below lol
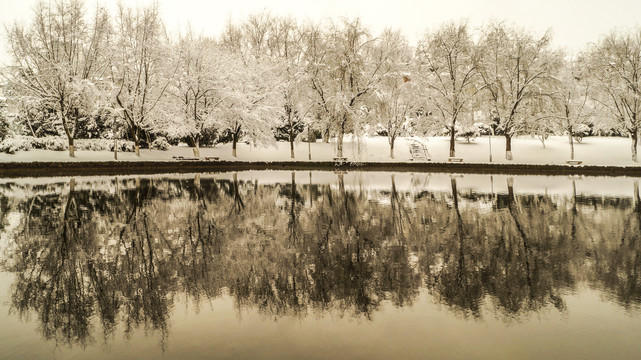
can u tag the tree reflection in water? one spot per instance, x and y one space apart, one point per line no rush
122 252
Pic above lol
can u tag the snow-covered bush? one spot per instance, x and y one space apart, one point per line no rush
49 143
25 143
4 122
16 143
4 127
103 145
468 131
160 143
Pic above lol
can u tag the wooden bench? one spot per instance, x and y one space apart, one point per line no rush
185 158
455 159
574 162
212 158
340 160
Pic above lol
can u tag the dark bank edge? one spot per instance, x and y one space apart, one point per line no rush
42 169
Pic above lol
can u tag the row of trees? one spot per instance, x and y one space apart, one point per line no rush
124 74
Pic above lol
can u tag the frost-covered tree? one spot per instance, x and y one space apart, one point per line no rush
514 66
278 39
574 107
57 58
615 65
285 44
250 108
141 68
250 105
350 67
396 100
196 93
315 53
448 71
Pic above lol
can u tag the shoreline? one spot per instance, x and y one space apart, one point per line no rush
88 168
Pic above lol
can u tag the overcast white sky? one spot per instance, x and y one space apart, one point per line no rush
574 22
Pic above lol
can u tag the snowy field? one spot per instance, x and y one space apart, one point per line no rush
526 150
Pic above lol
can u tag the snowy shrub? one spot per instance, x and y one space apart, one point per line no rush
51 143
4 127
57 143
16 143
103 145
160 144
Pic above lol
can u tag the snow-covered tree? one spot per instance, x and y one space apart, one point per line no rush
573 101
285 44
315 53
249 107
448 71
196 93
278 38
57 58
350 67
141 67
615 65
396 101
514 66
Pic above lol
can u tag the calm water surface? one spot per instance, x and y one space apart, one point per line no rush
320 265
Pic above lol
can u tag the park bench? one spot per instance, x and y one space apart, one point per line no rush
185 158
340 160
455 159
574 162
212 158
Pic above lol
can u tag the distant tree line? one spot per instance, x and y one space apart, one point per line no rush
123 76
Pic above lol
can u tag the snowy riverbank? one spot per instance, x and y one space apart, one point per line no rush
605 151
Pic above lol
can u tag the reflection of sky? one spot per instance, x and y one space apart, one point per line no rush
589 328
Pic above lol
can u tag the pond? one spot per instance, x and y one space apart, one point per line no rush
275 264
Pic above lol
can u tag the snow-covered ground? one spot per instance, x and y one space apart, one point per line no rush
526 150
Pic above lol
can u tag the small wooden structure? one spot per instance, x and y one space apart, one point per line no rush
186 158
418 151
340 160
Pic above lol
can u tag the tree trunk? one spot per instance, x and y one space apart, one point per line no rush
72 152
341 133
635 141
508 146
326 135
391 148
571 134
452 141
233 145
196 147
135 135
309 144
72 149
291 145
115 148
68 132
235 138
